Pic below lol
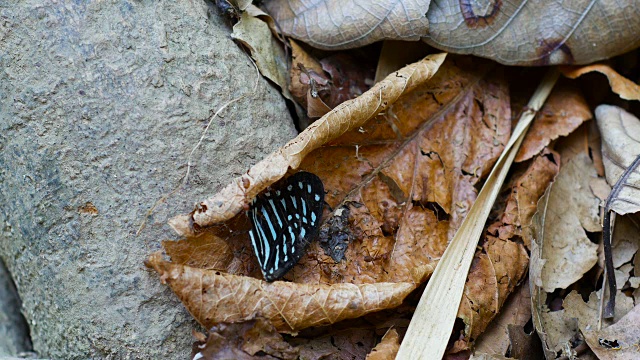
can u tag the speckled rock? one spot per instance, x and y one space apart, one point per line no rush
101 103
14 332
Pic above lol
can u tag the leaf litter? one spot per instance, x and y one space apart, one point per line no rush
388 215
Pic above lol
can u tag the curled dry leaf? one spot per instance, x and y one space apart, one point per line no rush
213 297
620 85
244 341
563 252
266 49
622 338
564 111
341 24
620 149
529 33
347 116
387 348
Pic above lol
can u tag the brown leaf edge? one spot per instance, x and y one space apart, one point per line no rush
625 88
279 301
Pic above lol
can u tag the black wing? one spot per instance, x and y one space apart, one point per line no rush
285 219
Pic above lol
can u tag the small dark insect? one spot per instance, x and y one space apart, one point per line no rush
284 220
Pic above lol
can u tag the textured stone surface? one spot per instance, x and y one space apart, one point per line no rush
14 333
101 103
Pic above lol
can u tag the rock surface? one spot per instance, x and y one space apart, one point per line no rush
14 332
102 102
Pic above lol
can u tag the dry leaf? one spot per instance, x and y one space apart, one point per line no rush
345 117
244 341
266 49
503 261
624 334
516 311
387 348
213 297
620 85
561 328
564 111
352 343
340 24
395 54
571 210
321 85
625 240
530 33
438 303
620 148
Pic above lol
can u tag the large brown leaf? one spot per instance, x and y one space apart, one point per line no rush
524 32
511 32
213 297
340 24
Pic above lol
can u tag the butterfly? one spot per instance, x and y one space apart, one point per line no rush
284 220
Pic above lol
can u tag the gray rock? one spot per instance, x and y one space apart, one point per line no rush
100 104
14 332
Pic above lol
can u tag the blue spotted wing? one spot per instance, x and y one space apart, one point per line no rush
284 220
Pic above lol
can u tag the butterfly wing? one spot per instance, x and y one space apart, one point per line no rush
285 219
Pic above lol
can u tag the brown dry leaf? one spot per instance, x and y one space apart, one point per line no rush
564 111
340 24
245 340
213 297
503 262
625 241
320 85
351 343
516 311
266 49
620 85
345 117
387 348
559 329
620 148
308 81
530 33
625 333
566 252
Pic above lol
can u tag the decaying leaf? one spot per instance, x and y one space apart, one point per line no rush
503 261
620 85
321 85
571 210
620 148
245 340
619 341
340 24
564 111
527 33
387 348
513 33
266 49
560 329
435 314
213 297
345 117
516 311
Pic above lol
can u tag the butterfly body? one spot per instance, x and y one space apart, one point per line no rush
284 220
